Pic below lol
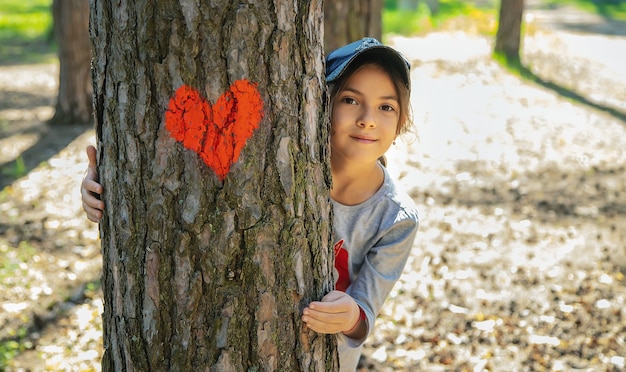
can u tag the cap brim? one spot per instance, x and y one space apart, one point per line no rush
398 60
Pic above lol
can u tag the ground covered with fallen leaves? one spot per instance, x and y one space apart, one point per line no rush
520 259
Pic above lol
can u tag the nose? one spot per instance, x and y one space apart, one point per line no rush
367 118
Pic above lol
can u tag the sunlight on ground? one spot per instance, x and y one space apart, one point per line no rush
23 106
492 149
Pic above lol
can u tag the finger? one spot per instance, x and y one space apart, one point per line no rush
335 307
320 326
92 202
333 296
91 185
89 199
321 329
93 215
325 317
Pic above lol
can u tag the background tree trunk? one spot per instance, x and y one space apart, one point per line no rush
71 25
509 29
413 5
408 4
348 20
433 5
200 273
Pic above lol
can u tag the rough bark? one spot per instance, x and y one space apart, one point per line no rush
199 273
349 20
71 25
508 37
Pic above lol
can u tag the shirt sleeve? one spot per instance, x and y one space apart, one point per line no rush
382 267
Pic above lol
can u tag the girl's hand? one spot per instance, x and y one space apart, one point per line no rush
90 189
337 312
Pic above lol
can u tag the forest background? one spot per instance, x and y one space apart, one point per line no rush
520 259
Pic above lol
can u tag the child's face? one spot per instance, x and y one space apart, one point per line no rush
365 116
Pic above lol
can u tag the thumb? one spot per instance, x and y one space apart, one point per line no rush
91 155
333 296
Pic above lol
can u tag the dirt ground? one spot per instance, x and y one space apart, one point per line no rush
520 259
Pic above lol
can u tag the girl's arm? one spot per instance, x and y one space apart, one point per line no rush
351 313
381 269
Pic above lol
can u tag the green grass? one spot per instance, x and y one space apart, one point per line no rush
9 349
12 265
26 31
15 170
612 9
451 14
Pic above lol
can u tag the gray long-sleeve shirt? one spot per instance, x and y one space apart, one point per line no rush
376 237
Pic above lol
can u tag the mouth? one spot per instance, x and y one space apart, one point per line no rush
364 139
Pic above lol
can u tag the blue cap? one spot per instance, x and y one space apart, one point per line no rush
339 59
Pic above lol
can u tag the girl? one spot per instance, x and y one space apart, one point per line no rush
374 223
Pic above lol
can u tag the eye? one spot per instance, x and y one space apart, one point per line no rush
387 108
349 100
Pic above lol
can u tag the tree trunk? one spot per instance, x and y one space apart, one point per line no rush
207 267
509 29
348 20
71 25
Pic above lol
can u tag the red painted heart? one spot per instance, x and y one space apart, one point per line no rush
216 133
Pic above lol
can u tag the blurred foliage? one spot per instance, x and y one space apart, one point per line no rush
613 9
481 19
25 19
15 170
10 348
26 33
450 14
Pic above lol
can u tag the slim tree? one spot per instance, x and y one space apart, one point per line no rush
213 144
433 5
348 20
71 25
408 4
413 5
508 37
